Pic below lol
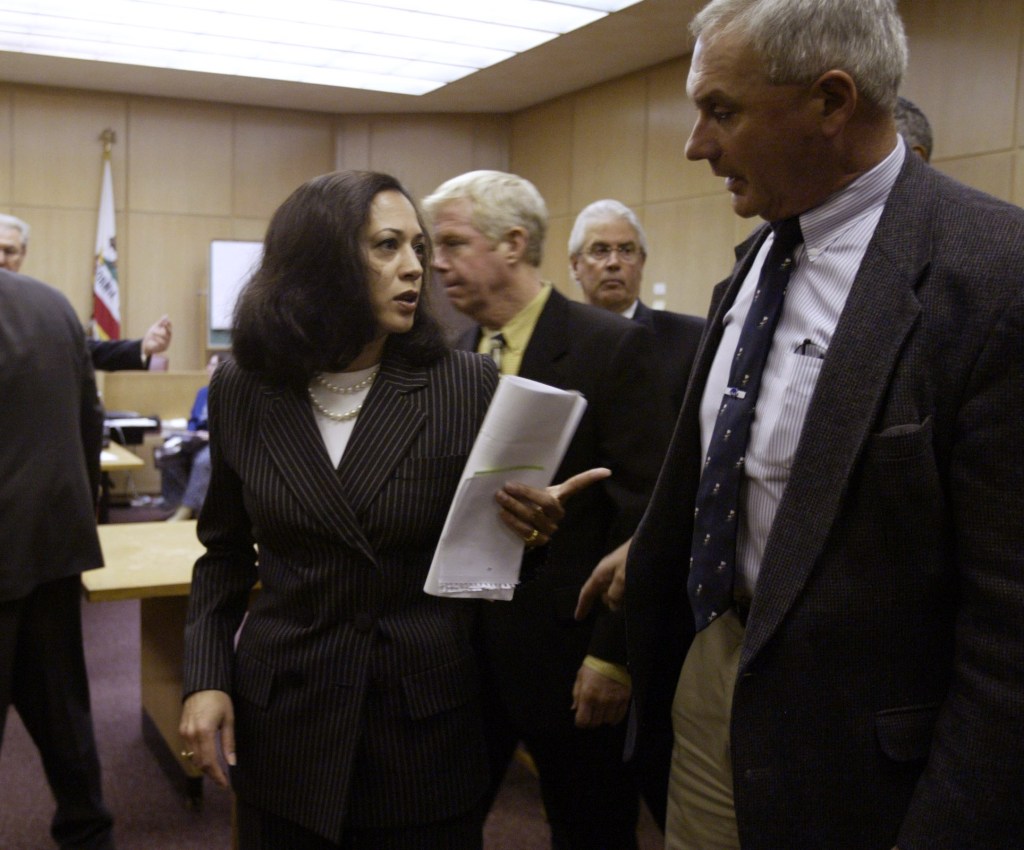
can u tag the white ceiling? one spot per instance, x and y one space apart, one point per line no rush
642 35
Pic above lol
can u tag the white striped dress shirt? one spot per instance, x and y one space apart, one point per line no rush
836 236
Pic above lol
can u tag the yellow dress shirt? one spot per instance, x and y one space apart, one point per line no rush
517 335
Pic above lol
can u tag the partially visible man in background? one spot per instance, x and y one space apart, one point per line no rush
109 355
607 252
51 427
912 124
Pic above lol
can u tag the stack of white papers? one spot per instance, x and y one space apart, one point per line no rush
524 437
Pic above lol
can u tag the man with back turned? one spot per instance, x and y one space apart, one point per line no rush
51 428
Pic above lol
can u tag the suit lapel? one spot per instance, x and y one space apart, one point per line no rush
335 497
880 312
293 442
644 315
548 342
383 433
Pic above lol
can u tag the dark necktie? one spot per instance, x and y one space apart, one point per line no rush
496 347
713 555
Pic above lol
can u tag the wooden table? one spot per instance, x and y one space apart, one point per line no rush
116 458
152 562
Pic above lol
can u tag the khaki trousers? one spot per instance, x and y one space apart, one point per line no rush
701 814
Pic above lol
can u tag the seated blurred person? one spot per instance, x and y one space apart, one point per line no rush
184 460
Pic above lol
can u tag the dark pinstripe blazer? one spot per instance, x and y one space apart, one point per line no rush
356 694
880 695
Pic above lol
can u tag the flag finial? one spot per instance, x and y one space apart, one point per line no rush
108 137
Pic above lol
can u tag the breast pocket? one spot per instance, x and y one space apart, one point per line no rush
905 734
778 424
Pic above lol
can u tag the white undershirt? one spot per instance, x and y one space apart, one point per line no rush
336 434
836 236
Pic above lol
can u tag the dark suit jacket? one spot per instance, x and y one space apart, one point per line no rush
51 428
880 693
356 694
533 644
677 336
116 355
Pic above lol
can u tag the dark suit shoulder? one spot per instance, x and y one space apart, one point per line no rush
666 323
972 220
593 321
468 364
32 299
463 377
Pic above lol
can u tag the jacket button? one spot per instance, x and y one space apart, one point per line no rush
364 622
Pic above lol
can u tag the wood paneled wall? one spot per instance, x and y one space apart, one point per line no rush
187 172
625 139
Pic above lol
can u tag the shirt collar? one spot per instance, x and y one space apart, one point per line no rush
868 192
517 331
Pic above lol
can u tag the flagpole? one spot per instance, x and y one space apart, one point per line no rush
106 317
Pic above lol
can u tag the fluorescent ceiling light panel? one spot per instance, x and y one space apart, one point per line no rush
403 46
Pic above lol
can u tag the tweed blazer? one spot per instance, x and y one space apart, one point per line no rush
51 429
676 338
880 694
533 644
356 694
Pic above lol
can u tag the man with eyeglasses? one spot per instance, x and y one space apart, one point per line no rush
112 355
607 251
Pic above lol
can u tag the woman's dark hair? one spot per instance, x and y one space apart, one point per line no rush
307 307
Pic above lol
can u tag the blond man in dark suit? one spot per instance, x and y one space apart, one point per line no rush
559 686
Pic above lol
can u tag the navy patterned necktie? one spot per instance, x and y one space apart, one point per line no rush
713 554
496 348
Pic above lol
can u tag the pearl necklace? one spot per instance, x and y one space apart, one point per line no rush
334 417
334 388
346 415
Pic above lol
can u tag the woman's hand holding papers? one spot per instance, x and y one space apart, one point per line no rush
533 513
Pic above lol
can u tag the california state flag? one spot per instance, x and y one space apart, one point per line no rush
106 297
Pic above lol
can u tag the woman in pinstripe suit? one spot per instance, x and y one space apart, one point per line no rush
346 707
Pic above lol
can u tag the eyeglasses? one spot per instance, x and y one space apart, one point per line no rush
10 251
601 252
